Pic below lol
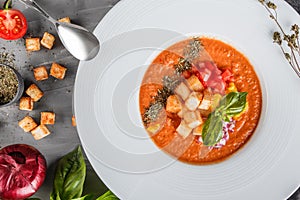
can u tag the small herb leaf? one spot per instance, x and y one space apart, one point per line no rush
212 130
86 197
232 104
108 196
238 105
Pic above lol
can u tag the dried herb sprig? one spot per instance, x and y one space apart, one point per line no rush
190 53
8 84
182 65
192 50
160 100
291 50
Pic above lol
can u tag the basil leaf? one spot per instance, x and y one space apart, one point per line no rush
233 103
108 196
69 176
238 106
86 197
212 129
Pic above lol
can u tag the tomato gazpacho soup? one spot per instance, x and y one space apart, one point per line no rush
200 100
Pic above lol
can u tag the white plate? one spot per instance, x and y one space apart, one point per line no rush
106 88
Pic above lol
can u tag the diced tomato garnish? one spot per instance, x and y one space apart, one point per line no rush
186 74
201 79
194 69
227 76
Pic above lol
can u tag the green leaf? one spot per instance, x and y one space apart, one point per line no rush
212 130
86 197
233 103
69 176
238 105
108 196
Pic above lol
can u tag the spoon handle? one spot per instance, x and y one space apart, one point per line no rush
35 6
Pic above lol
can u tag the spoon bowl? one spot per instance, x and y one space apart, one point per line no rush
80 42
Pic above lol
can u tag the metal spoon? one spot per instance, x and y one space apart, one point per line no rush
81 43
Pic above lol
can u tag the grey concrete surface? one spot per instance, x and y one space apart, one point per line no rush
58 93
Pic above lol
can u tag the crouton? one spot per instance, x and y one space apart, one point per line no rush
193 100
74 121
198 130
195 84
58 71
40 132
40 73
216 98
182 111
26 103
182 90
32 44
47 118
153 129
34 92
173 104
205 106
65 19
192 119
27 124
47 40
183 129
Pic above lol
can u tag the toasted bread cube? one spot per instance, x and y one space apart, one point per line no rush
183 91
182 111
173 104
47 40
195 84
58 71
27 124
206 102
74 121
193 119
183 129
193 100
26 103
47 118
40 73
198 130
40 132
34 92
32 44
65 19
154 128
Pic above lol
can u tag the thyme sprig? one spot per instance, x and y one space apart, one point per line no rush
190 53
160 99
291 49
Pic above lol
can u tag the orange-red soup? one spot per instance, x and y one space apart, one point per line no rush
189 149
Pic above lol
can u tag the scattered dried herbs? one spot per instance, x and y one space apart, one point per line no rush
7 58
8 84
291 49
192 50
190 53
160 100
182 65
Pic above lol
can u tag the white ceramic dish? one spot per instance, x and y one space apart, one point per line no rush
106 89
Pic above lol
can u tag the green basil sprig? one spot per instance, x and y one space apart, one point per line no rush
230 105
108 196
70 176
